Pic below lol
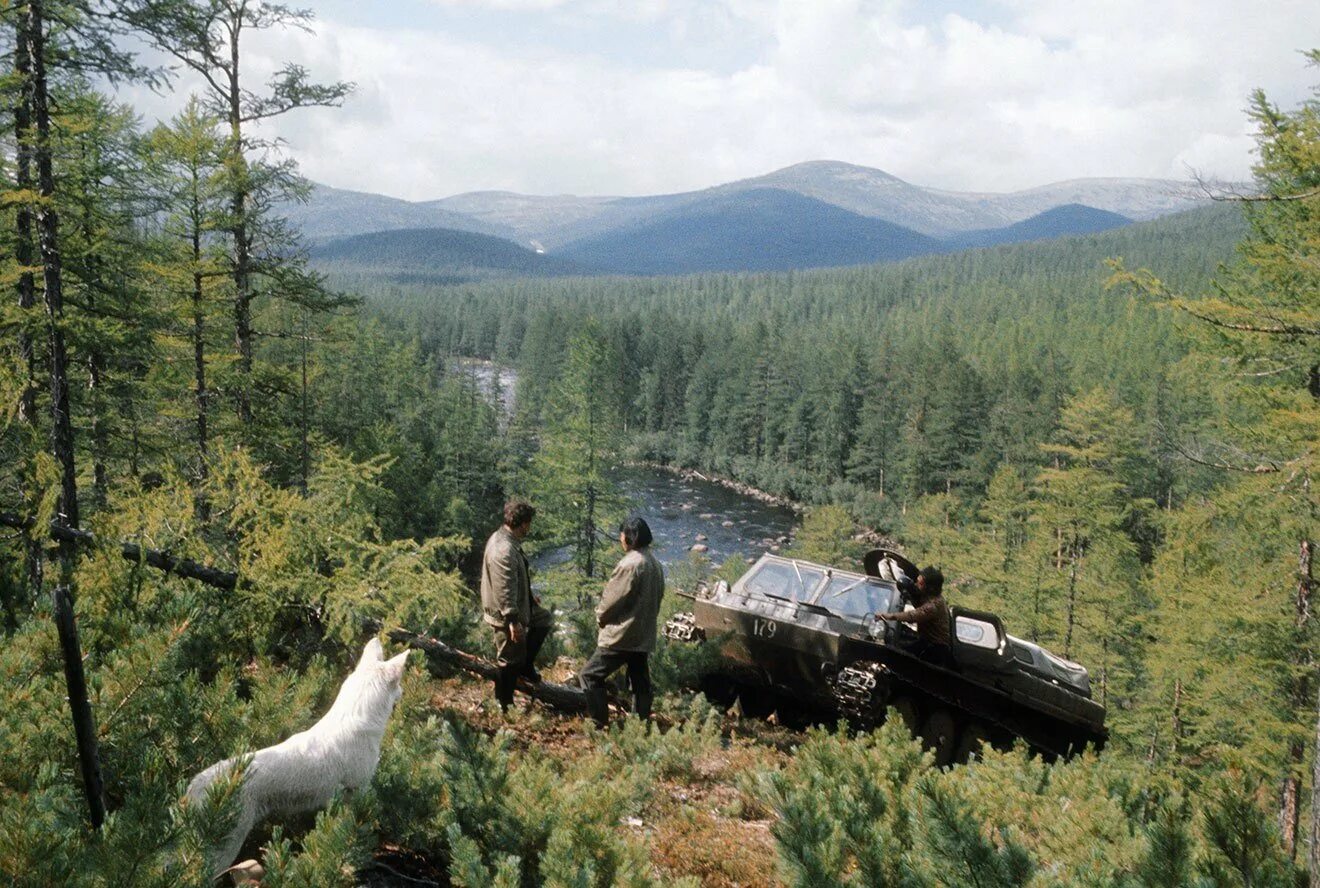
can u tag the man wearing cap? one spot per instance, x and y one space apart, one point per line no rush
930 617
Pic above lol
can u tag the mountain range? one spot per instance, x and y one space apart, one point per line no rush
809 215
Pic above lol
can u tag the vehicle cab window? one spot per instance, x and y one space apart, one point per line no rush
783 579
850 595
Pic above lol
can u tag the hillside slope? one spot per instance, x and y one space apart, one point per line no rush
1064 221
759 230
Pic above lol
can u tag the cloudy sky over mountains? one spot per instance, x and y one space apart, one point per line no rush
649 96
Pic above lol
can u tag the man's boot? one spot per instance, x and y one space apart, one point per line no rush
536 637
598 706
642 705
506 679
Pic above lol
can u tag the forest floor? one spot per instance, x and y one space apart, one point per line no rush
705 825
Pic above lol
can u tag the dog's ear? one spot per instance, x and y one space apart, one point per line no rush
395 665
372 653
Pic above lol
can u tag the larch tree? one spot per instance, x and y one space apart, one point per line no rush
1263 317
184 160
1086 502
207 37
58 37
579 446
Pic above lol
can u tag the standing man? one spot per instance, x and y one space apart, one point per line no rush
519 622
626 617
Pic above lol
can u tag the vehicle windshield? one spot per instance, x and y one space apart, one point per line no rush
784 579
854 596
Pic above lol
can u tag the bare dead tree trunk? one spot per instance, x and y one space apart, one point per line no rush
1300 696
161 560
48 226
62 425
562 697
84 725
33 562
241 231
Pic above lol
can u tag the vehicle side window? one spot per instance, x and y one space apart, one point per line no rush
977 633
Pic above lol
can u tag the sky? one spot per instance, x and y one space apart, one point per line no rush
635 97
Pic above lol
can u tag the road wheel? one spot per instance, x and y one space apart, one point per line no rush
754 702
939 734
791 714
907 709
720 690
974 737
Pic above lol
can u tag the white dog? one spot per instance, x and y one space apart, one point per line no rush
301 774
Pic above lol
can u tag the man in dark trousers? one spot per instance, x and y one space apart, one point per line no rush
626 617
519 622
931 617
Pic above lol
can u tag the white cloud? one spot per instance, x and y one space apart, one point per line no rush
1043 90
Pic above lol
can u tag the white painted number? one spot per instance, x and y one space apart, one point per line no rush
764 628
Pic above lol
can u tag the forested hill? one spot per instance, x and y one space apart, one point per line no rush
438 255
1070 219
758 230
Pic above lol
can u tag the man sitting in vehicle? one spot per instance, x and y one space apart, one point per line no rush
930 616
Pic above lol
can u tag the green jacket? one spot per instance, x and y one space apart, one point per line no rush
506 587
630 606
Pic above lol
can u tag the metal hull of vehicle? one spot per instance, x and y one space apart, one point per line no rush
802 651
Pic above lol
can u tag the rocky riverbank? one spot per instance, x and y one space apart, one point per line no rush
737 487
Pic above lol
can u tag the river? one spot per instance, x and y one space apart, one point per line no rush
683 512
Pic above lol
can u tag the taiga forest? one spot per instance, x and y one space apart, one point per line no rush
226 463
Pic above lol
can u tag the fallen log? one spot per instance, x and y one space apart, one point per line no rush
562 697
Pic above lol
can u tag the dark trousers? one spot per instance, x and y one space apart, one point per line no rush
516 660
934 652
604 663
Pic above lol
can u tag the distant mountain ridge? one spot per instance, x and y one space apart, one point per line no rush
810 215
331 213
559 220
758 230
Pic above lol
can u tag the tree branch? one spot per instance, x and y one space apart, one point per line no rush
164 561
1280 330
1261 469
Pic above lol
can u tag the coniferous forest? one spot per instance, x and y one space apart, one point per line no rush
223 468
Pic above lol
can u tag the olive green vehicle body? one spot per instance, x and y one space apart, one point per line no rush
801 639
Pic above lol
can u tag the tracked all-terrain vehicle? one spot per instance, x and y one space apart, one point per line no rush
802 639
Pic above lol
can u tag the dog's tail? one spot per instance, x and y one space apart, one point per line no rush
197 787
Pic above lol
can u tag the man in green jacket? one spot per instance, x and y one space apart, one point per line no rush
508 606
626 617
